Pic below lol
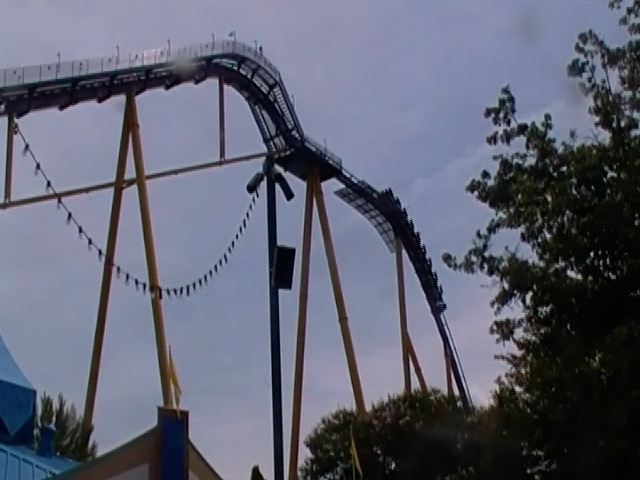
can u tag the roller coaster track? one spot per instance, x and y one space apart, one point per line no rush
64 84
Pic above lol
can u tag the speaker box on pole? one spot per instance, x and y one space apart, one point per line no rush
282 271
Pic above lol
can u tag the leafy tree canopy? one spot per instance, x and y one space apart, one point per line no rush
69 440
419 435
568 296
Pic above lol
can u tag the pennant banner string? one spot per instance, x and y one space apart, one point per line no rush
142 286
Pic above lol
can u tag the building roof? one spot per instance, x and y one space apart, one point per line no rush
10 372
23 463
18 460
132 454
17 401
110 456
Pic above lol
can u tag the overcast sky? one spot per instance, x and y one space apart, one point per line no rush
397 89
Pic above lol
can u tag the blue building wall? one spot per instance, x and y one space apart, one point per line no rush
174 444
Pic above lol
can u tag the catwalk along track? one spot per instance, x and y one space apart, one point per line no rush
64 84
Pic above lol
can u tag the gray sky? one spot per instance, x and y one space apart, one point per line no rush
397 89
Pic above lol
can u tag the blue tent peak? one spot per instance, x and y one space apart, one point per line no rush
9 370
17 401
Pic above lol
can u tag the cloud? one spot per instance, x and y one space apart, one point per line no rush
397 90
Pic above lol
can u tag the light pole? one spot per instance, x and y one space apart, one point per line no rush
273 177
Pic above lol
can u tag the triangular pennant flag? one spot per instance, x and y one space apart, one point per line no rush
354 455
175 383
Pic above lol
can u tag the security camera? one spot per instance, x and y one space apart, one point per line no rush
255 182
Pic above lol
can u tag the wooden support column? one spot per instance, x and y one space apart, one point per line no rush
416 364
107 273
341 308
8 165
221 119
149 249
303 299
402 310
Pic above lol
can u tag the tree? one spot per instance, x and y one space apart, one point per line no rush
69 440
256 474
418 435
568 295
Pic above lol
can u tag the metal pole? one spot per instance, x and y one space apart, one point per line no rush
8 169
221 119
447 370
149 250
416 365
274 324
402 309
107 273
303 300
338 295
127 182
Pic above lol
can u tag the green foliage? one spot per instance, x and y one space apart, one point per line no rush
568 295
69 440
420 435
255 473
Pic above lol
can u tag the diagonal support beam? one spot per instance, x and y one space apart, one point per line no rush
149 249
128 182
402 310
448 372
341 308
416 364
303 300
107 273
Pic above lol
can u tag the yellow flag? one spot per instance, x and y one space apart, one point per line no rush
354 456
175 383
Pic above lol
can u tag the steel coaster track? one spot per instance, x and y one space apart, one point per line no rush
64 84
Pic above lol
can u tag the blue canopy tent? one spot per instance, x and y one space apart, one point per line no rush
17 402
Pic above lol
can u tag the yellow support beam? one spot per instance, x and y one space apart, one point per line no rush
128 182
